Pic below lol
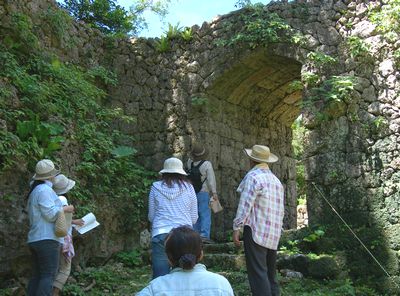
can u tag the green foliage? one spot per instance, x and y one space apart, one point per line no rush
187 34
130 259
320 59
123 151
113 19
358 48
379 122
387 18
260 29
309 78
45 103
301 243
58 20
20 34
336 88
299 132
298 138
301 201
47 136
307 287
199 101
242 3
295 85
163 45
173 32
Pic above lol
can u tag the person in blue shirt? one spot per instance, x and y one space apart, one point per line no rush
188 277
43 209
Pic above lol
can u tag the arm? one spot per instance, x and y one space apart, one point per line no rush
47 207
194 214
210 175
246 202
151 204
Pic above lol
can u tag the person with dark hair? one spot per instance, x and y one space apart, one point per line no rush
172 202
188 277
43 209
206 190
260 214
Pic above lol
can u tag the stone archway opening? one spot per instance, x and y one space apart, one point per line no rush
298 151
257 99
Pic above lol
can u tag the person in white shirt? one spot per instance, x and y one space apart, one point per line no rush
172 203
188 277
207 190
62 185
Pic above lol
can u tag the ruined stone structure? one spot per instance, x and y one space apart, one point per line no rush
231 97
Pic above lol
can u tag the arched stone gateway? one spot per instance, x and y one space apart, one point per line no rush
227 87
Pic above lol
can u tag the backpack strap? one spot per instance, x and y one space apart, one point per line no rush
198 166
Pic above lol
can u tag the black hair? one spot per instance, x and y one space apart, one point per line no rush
183 247
33 186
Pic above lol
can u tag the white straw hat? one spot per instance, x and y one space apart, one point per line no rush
45 169
260 153
173 166
62 184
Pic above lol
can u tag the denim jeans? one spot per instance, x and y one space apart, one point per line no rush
203 224
45 259
159 258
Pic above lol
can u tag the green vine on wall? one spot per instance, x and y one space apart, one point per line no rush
45 104
387 21
261 28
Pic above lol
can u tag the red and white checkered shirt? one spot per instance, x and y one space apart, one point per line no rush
261 206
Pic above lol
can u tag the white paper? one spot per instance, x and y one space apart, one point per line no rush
90 223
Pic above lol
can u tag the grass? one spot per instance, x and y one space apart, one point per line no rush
117 279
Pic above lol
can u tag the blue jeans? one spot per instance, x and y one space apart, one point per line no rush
203 224
159 259
45 259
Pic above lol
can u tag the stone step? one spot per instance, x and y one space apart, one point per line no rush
225 261
228 248
225 256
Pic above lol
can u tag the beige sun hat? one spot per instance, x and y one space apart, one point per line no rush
173 166
45 170
62 184
260 153
198 151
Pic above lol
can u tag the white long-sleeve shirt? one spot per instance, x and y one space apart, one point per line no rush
170 207
207 174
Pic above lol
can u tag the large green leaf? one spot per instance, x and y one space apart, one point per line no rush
123 151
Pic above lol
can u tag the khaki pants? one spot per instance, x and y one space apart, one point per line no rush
63 273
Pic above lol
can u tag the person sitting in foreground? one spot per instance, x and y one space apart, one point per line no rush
188 277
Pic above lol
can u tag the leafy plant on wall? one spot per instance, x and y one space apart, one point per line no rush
45 104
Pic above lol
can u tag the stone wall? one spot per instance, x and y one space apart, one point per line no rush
231 97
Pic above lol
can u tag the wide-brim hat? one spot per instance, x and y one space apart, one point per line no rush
260 153
173 166
45 170
198 151
62 184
